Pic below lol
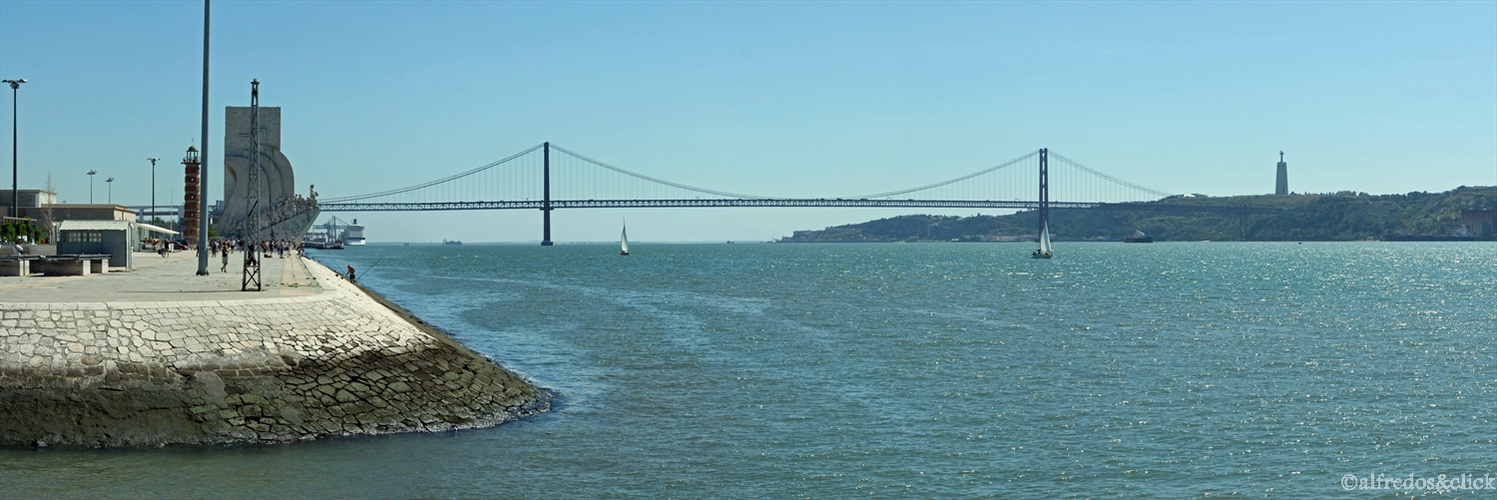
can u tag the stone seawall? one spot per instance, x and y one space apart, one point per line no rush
334 363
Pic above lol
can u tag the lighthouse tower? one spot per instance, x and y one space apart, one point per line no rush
1282 185
192 162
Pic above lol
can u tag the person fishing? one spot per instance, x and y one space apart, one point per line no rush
367 269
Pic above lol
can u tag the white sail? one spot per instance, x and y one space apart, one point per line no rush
1045 239
624 241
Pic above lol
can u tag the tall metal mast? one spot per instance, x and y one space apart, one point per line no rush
252 200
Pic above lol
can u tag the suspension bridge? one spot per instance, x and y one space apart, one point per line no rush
548 177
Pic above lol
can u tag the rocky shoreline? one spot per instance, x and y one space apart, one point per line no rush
341 362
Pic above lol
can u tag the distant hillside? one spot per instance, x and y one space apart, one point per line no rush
1342 216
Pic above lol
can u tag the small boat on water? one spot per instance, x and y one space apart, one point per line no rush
1044 252
1139 237
451 242
624 241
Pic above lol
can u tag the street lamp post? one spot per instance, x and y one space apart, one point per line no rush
91 186
15 197
203 187
153 187
110 182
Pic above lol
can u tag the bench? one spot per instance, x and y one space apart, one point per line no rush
17 265
75 264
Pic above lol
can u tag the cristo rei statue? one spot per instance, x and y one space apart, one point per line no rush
280 212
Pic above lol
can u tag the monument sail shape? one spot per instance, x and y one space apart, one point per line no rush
279 213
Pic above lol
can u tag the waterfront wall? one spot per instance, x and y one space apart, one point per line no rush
335 363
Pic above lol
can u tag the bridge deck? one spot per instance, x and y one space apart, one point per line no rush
775 202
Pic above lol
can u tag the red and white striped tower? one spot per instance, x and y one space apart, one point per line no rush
193 163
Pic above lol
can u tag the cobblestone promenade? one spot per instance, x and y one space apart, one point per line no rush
161 356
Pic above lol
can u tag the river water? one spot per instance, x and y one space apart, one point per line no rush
906 370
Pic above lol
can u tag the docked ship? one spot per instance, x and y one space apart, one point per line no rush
319 240
353 234
327 235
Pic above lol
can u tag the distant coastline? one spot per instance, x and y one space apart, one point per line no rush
1462 214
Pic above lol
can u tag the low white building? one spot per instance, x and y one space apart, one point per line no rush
118 238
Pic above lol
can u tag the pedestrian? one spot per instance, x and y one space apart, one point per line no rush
225 268
350 272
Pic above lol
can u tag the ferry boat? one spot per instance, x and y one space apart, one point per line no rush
451 242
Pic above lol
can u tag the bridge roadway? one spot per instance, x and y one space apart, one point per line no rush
776 202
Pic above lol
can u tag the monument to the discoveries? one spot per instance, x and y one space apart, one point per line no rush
282 214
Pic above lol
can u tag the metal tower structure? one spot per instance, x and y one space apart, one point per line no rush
252 199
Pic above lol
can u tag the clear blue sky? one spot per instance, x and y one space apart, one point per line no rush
781 99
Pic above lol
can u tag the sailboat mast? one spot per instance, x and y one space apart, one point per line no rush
1044 212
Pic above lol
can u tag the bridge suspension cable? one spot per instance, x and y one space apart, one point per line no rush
1115 180
995 168
652 179
450 178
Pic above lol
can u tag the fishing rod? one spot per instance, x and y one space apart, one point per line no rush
376 263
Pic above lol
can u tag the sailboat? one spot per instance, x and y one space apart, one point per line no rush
1139 237
1044 251
624 241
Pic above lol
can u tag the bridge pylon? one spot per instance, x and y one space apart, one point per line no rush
546 194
